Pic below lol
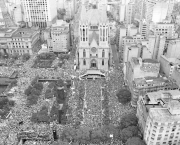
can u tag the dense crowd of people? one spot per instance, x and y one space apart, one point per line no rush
92 99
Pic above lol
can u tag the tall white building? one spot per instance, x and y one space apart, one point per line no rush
173 50
156 46
93 51
39 13
59 40
159 12
129 15
143 28
159 117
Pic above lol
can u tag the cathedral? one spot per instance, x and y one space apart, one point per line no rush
93 49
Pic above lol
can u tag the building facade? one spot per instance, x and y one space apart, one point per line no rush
59 37
22 41
142 75
93 51
159 117
39 13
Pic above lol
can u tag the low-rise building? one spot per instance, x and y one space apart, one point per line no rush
142 75
159 117
59 40
5 33
23 40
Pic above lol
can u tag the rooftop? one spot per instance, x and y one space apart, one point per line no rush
149 81
161 112
150 61
24 32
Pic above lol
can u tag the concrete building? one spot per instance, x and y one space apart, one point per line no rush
141 72
129 15
122 10
159 117
93 51
39 13
59 37
156 45
5 33
130 51
159 12
23 40
168 65
175 75
132 30
173 50
122 33
143 28
166 29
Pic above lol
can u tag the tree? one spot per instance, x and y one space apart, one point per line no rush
25 56
128 120
32 99
128 133
135 141
38 86
15 56
28 91
124 96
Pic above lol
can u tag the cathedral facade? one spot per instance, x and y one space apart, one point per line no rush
93 49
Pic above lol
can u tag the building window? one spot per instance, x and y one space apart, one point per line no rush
103 62
103 53
84 62
84 53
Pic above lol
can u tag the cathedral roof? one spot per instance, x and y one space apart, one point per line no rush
94 36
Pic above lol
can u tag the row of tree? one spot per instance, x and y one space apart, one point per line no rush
127 131
33 91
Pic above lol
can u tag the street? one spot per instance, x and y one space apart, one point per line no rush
115 54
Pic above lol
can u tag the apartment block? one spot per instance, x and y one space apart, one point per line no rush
59 37
159 117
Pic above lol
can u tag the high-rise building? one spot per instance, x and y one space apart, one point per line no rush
93 51
143 28
159 117
156 45
122 9
39 13
129 15
59 40
159 12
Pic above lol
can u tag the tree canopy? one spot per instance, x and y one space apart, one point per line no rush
128 120
124 96
128 133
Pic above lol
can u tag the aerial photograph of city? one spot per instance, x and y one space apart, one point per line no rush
89 72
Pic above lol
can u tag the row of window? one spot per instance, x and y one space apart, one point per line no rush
84 62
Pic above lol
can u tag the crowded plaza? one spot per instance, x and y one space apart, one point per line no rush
85 104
